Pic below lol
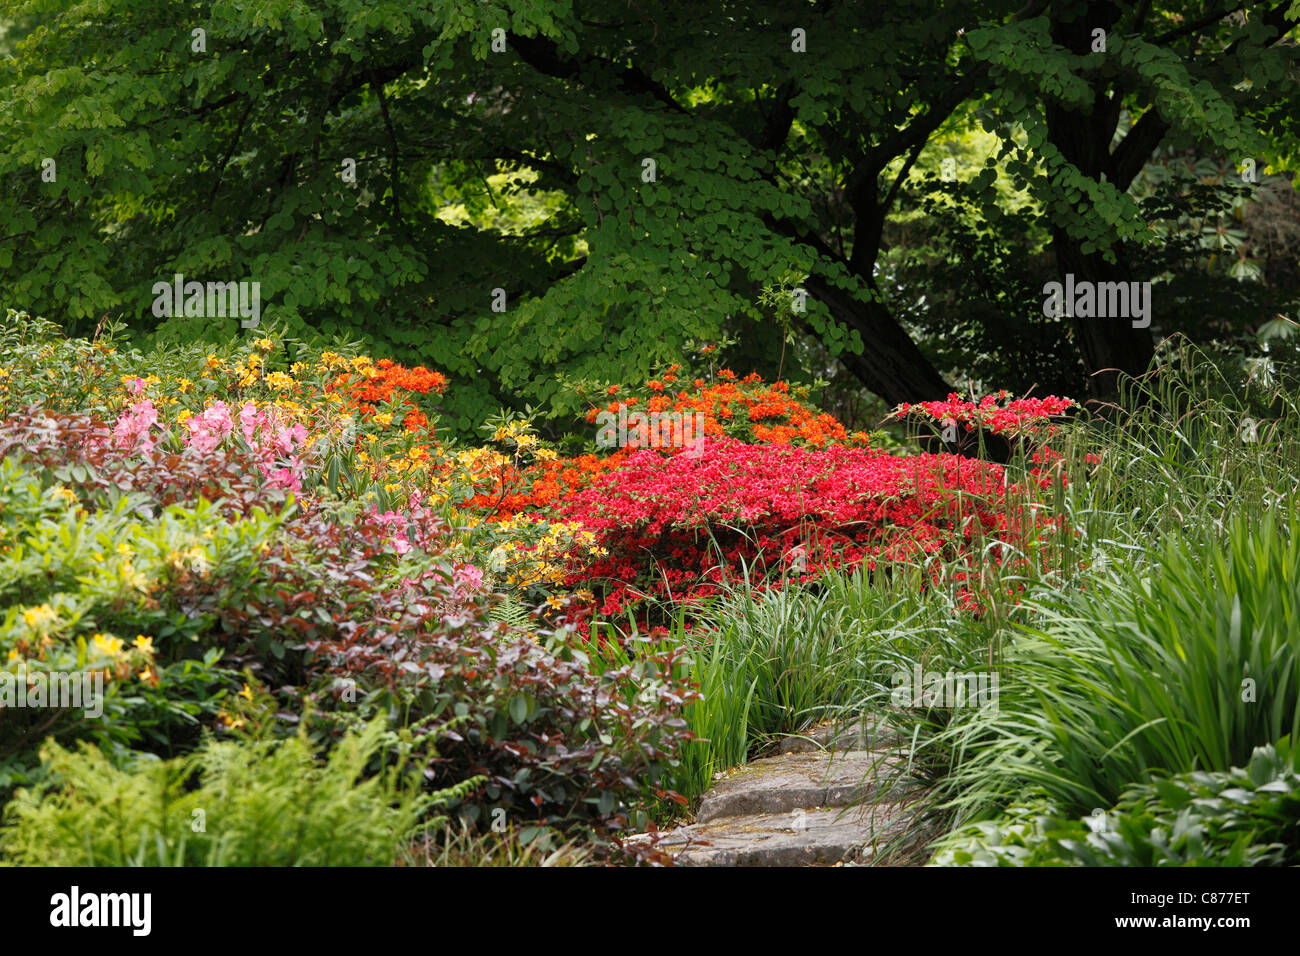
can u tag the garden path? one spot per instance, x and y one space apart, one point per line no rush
823 800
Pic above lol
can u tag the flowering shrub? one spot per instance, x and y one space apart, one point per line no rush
676 526
999 414
342 609
745 409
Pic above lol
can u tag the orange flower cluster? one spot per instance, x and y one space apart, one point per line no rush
372 385
543 484
746 409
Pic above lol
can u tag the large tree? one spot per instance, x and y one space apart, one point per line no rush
1099 87
691 163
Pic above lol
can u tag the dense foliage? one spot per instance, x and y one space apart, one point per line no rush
476 427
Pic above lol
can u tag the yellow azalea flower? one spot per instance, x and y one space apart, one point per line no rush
136 579
111 646
554 602
143 644
13 654
384 418
65 493
265 345
279 380
183 416
123 548
246 693
184 385
148 676
38 616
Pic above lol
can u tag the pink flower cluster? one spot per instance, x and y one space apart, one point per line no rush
417 527
134 428
264 430
275 441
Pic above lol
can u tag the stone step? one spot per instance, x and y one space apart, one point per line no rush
798 781
798 838
856 735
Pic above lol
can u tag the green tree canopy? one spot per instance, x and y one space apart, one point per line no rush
631 178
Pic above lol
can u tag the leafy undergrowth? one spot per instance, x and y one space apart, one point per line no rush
1248 816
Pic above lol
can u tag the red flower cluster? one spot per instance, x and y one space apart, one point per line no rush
676 526
1019 416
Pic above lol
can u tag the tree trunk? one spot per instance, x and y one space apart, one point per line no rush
890 364
894 368
1109 346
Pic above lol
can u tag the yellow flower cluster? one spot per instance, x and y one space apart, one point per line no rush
123 659
38 619
517 433
332 361
545 561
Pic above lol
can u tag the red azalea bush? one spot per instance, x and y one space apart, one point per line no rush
675 527
999 414
745 409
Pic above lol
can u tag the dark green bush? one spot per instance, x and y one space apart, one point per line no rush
1240 817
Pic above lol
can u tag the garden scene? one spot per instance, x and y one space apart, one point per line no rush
552 434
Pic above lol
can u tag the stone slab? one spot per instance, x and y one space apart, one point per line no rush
858 735
798 781
803 838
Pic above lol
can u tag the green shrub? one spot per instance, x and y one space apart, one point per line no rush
255 803
1238 817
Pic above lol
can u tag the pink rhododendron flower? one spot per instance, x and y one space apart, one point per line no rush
467 578
132 431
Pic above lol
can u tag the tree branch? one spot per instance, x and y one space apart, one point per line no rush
234 144
378 87
544 56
